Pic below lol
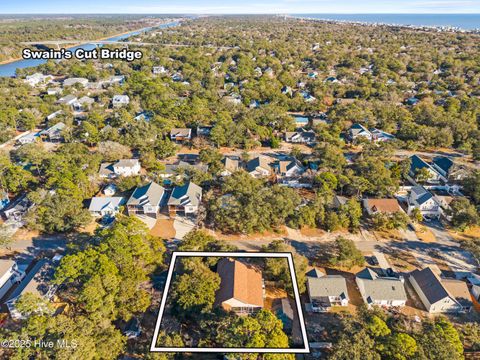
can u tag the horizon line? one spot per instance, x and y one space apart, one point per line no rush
239 13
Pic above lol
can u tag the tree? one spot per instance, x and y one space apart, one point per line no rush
200 240
5 236
261 330
352 210
194 291
14 178
376 327
58 213
213 158
440 340
471 186
384 221
422 175
165 148
165 340
463 213
416 215
247 205
355 346
400 346
106 279
471 335
30 303
330 156
112 151
346 254
278 270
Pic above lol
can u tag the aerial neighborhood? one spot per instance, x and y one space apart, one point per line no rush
361 161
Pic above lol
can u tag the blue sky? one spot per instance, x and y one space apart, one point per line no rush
239 6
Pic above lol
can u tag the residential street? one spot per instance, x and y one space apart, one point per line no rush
444 249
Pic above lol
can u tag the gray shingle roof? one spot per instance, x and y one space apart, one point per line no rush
36 281
150 194
430 284
329 285
375 288
260 161
189 192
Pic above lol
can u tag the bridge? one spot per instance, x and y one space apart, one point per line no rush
57 43
84 42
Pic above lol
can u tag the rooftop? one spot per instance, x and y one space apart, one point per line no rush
239 281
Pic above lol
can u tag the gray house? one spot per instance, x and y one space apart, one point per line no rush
185 199
438 295
325 291
146 200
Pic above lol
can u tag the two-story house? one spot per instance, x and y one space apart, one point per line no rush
423 200
146 200
185 199
123 167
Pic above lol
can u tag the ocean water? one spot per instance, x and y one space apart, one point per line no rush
462 21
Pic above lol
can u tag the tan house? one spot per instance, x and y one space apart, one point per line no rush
241 287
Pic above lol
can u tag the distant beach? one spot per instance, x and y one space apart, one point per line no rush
460 22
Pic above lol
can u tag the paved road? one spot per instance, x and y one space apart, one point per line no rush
426 253
25 250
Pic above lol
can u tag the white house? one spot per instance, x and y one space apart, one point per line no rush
37 78
358 131
105 206
54 91
380 291
10 273
120 100
83 104
301 136
380 135
116 79
422 199
259 167
290 168
124 167
67 100
434 294
325 291
158 70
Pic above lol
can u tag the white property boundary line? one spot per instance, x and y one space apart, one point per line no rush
288 256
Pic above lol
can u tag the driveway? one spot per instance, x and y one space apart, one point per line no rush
182 226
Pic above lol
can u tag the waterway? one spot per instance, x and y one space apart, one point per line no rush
9 69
